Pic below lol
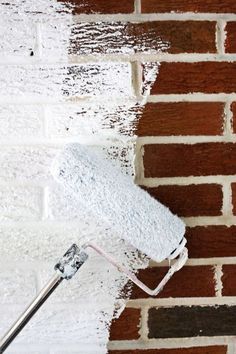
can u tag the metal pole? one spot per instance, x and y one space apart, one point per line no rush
30 311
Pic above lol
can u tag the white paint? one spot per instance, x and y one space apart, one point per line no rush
99 102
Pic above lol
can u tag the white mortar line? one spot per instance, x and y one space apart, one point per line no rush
137 6
193 97
144 325
193 262
184 181
186 16
138 163
210 220
231 348
186 139
183 301
91 58
172 343
227 206
220 36
218 282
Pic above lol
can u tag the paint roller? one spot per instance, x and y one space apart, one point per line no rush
138 218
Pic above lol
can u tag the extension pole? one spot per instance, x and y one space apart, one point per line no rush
30 311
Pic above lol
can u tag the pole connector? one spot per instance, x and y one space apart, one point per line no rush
70 263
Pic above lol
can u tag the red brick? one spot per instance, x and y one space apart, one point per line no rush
100 6
206 77
229 280
191 350
233 109
203 159
234 197
211 241
188 282
126 327
190 200
230 43
218 6
181 118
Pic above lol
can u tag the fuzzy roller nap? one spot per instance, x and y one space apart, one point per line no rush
132 212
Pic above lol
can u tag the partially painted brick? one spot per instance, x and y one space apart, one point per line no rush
66 81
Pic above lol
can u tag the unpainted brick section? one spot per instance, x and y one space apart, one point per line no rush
211 241
113 37
202 159
233 110
233 186
206 77
181 118
190 200
192 350
100 6
126 327
188 282
194 321
229 280
230 43
218 6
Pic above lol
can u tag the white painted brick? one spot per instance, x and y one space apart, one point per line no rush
57 325
18 286
20 121
25 163
20 203
56 82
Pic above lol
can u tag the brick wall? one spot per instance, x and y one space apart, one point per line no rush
186 159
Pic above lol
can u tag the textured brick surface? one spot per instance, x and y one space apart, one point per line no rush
230 43
182 118
25 163
20 203
20 121
229 280
203 159
191 350
194 321
101 6
188 282
207 77
180 37
190 200
217 6
126 327
211 241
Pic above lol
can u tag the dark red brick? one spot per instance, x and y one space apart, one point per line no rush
218 6
229 280
100 6
188 282
181 118
211 241
191 350
206 77
126 327
203 159
190 200
193 321
230 43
